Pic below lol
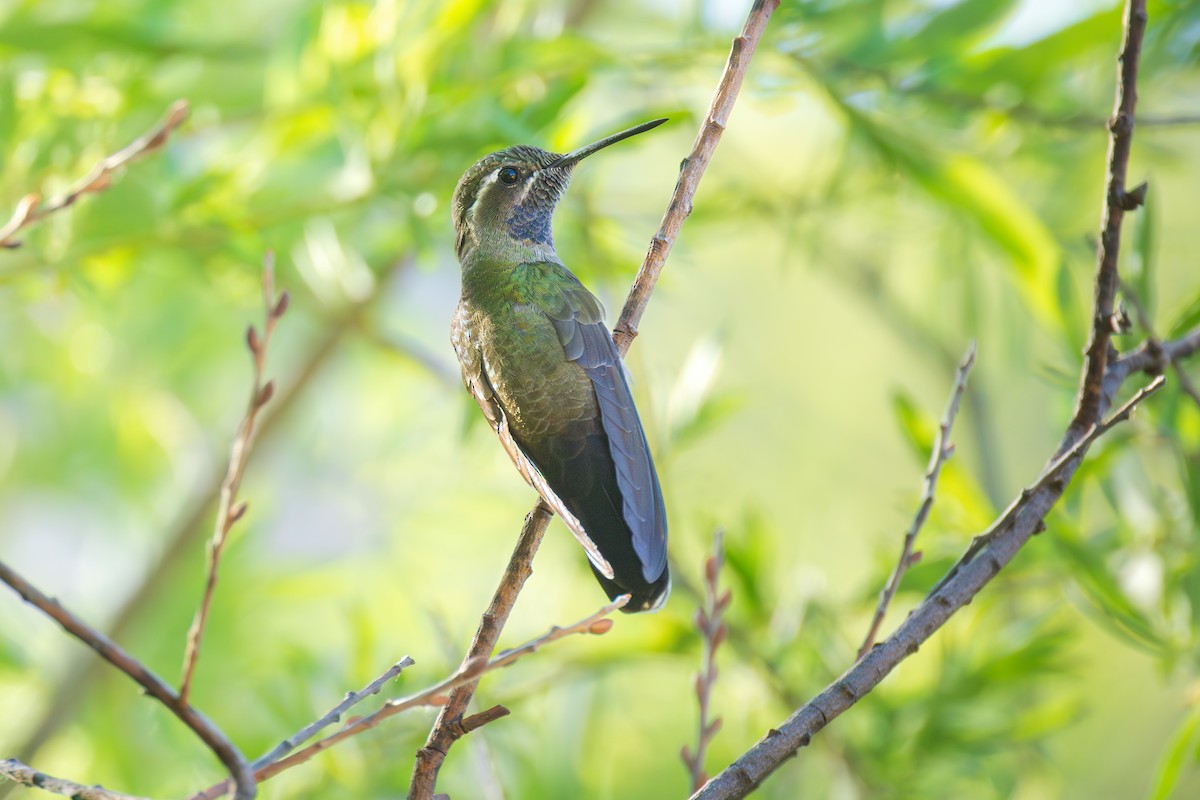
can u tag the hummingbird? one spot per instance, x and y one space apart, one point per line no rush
538 359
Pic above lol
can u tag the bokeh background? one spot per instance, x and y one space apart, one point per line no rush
897 179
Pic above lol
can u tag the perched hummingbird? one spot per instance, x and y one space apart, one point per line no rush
538 359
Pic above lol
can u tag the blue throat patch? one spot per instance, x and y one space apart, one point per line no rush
531 224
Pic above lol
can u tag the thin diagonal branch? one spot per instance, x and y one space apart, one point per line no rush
229 510
1116 202
430 757
334 714
25 775
714 631
942 450
30 210
155 686
595 624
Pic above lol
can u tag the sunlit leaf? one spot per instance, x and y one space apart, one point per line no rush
1181 752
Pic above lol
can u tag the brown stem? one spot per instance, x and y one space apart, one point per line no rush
68 691
333 715
1116 202
155 686
973 571
443 735
29 210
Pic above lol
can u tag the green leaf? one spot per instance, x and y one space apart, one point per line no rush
1140 270
965 185
1187 319
1114 611
1182 749
918 427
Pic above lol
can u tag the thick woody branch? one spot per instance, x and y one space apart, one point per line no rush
31 210
942 450
155 686
469 673
979 566
229 510
1116 202
25 775
430 757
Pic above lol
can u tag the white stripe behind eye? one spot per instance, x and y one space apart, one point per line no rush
488 179
528 186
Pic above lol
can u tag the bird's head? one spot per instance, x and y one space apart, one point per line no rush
512 193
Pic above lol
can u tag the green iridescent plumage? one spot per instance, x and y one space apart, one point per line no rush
538 359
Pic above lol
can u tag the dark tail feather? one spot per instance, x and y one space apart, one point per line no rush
580 470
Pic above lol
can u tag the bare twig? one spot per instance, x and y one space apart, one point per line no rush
15 771
224 749
435 695
714 631
1116 202
29 210
942 450
430 757
334 715
229 510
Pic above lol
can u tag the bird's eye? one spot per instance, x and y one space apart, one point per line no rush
509 175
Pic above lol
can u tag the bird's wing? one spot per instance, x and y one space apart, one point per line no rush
578 319
475 377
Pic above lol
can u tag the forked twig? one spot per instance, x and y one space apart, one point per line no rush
435 695
975 569
155 686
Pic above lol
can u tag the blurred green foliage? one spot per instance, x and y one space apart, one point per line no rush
898 178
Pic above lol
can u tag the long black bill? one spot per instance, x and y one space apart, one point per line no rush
572 158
